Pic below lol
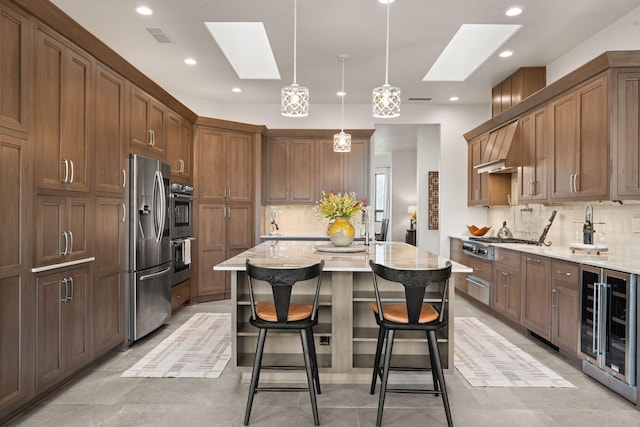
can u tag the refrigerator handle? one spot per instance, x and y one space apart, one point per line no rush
158 194
152 275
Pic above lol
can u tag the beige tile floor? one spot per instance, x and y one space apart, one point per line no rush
102 398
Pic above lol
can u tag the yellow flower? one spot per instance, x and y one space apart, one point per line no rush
334 205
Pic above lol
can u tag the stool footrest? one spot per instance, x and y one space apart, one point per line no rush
281 389
283 368
413 391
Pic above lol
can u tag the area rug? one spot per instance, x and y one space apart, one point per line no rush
487 359
200 348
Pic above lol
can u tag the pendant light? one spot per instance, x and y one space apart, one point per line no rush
294 99
386 98
342 141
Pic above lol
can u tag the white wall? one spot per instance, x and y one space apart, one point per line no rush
404 192
428 155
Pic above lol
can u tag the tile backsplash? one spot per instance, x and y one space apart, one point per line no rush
297 220
612 224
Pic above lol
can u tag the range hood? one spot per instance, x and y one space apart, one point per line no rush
502 152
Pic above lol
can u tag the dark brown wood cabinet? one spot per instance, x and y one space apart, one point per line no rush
580 143
180 295
109 135
108 293
535 311
147 127
532 175
522 83
485 189
62 230
344 172
565 305
224 216
62 119
179 147
15 65
17 296
62 330
289 171
627 128
456 254
507 283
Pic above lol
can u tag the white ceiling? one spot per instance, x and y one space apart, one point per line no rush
420 30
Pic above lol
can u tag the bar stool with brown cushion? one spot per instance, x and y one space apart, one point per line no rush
411 314
280 313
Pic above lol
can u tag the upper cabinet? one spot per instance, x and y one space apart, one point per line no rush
62 98
518 86
179 147
15 51
110 174
148 135
289 171
532 175
580 143
627 131
485 189
344 172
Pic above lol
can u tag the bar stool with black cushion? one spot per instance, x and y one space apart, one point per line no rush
411 314
281 314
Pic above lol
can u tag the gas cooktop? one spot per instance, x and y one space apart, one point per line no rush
503 240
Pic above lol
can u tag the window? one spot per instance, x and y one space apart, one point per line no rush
380 202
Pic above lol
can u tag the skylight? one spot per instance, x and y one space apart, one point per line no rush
247 48
468 49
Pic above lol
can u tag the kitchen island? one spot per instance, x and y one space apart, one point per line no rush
347 332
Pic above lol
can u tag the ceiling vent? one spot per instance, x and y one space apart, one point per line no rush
419 99
160 35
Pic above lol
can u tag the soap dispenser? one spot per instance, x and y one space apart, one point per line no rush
587 228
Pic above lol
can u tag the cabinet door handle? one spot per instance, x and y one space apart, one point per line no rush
537 261
70 297
152 138
575 183
66 170
124 212
181 168
554 298
71 242
505 283
72 171
66 289
66 243
124 178
478 269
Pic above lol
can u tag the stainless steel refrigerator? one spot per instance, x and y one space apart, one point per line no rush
150 246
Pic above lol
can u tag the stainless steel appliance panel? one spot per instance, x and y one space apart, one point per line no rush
608 328
181 259
181 200
150 214
151 298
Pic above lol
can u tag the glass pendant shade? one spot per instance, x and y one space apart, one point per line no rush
294 101
342 142
386 102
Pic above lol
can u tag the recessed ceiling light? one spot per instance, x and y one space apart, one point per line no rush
454 98
144 10
513 11
236 90
341 93
506 54
386 1
190 61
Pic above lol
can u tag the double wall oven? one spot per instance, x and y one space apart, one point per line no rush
181 202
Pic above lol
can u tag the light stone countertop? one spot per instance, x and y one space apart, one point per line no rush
294 253
604 260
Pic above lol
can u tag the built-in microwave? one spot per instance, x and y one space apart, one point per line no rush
181 214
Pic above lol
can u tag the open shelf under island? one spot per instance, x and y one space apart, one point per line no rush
347 333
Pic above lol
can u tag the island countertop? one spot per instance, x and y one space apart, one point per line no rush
291 253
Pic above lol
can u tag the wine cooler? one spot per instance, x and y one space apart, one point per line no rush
608 329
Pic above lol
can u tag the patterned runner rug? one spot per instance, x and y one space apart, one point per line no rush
486 359
200 348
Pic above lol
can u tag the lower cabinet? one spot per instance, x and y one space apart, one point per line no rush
456 254
506 287
62 324
536 292
180 295
565 305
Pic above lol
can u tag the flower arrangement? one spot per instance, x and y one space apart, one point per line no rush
338 205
